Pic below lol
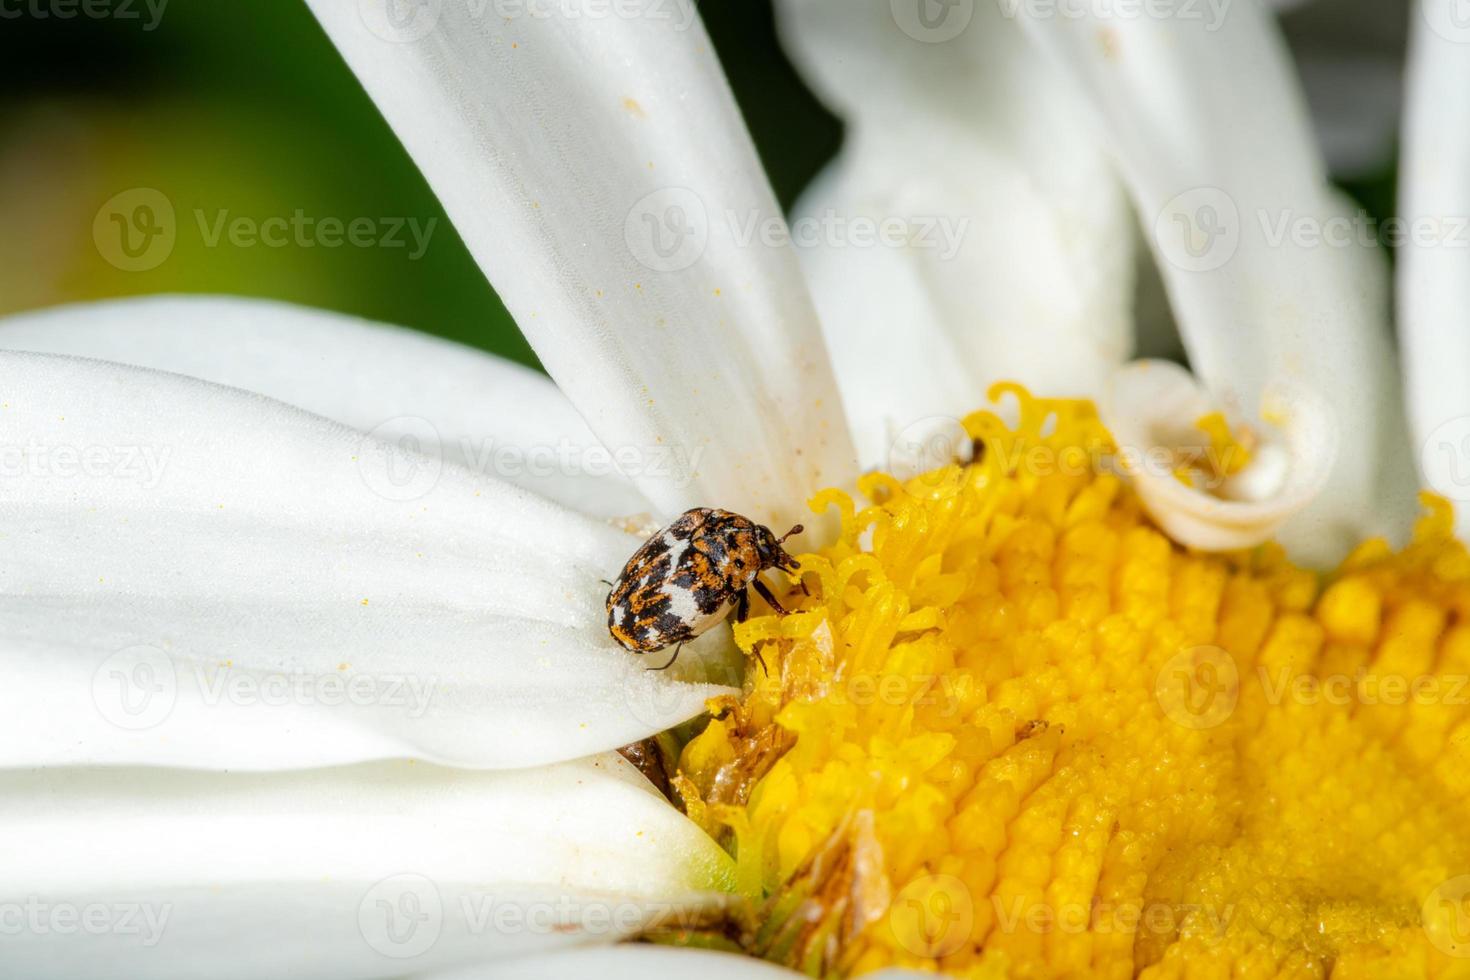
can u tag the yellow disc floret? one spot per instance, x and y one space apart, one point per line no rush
1015 731
1225 453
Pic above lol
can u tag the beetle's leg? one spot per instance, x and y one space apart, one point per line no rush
756 653
770 599
801 584
606 582
671 659
742 606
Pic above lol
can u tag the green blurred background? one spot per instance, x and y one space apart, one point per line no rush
243 106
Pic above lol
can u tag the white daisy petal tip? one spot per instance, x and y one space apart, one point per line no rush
1154 409
371 871
237 584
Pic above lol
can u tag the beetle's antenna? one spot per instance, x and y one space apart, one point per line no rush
795 530
671 659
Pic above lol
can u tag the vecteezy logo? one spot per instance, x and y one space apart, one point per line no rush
1450 19
135 688
400 21
1198 687
135 231
401 459
658 704
1199 230
933 916
1445 459
667 230
1446 916
923 448
932 21
401 916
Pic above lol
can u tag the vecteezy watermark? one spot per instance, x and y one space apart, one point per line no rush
946 694
1099 917
301 230
138 229
933 916
1361 229
343 687
1198 687
669 230
933 21
1445 458
1201 230
403 916
1363 686
1450 19
940 234
406 21
941 695
147 13
35 916
144 465
136 688
1446 916
923 449
1198 230
647 695
1210 12
403 458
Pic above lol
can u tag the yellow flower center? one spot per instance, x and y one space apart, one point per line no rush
1015 731
1226 454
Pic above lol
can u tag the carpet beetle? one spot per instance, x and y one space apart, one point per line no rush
688 576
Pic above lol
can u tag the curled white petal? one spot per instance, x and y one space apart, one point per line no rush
1434 260
482 411
599 171
198 576
364 871
1151 408
1019 240
1273 278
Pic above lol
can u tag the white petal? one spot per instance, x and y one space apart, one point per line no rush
600 172
1154 404
198 576
1213 139
497 417
895 359
627 962
1434 260
365 871
960 124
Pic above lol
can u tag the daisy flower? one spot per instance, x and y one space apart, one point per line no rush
1098 666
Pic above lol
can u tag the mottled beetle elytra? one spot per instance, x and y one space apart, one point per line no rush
688 576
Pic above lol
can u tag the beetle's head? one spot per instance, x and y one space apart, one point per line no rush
772 554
